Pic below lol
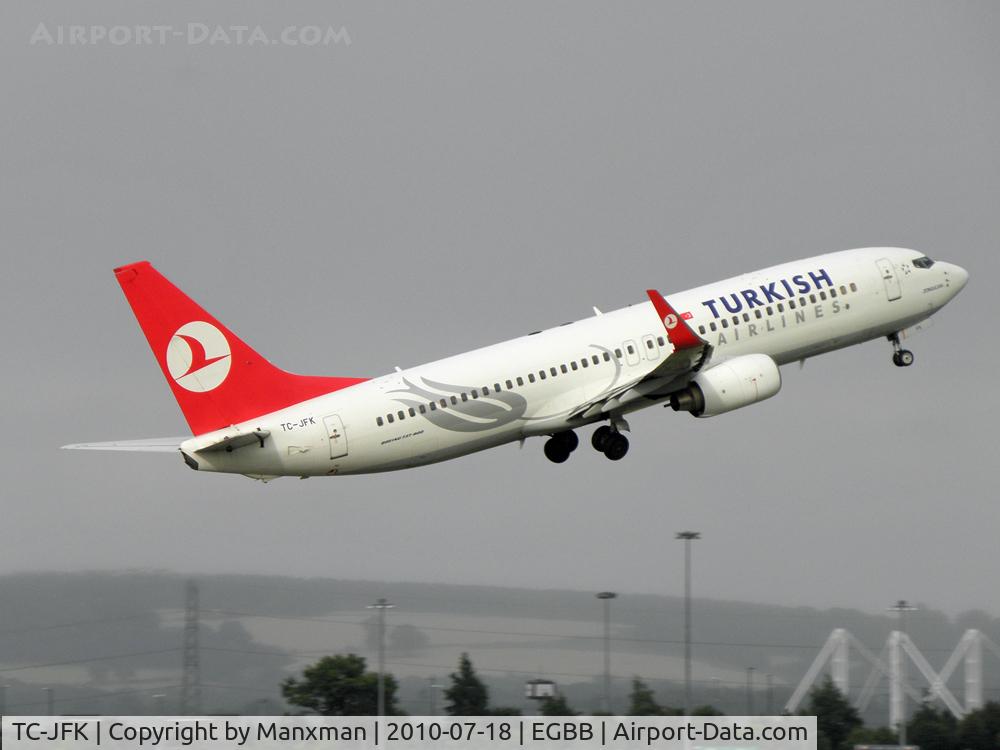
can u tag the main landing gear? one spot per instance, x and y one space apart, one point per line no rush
610 442
900 357
607 440
559 446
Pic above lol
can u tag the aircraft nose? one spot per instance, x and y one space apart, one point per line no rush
959 277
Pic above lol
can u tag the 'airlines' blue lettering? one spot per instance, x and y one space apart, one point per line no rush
751 297
710 304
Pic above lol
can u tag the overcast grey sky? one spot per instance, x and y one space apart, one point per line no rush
462 173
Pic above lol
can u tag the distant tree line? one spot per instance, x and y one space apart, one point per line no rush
343 686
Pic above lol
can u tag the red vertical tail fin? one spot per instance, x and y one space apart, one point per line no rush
216 378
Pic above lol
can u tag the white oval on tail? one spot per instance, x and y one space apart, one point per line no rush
198 357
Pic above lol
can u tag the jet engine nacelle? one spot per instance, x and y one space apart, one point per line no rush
729 385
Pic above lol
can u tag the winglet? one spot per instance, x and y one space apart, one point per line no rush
678 331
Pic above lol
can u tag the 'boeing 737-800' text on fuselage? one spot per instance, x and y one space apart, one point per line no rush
705 351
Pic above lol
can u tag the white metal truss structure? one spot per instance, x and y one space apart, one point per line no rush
971 649
891 664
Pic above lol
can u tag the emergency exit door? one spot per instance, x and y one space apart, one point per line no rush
338 438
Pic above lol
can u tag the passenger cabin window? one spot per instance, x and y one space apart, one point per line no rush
510 385
631 349
413 412
812 298
584 362
607 357
595 359
465 397
574 365
725 322
454 400
433 406
401 414
618 353
770 310
659 340
833 294
553 371
520 381
496 388
822 296
378 421
531 377
563 368
854 287
712 325
758 313
389 417
701 330
746 317
843 289
541 374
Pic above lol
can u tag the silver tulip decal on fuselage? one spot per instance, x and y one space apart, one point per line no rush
457 409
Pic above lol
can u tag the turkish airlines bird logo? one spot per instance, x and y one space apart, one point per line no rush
198 357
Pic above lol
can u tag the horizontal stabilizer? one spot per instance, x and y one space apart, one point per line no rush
151 445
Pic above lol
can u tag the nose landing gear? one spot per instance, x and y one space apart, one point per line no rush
900 357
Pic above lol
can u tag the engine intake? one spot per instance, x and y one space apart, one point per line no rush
729 385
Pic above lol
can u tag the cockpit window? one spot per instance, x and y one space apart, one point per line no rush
923 262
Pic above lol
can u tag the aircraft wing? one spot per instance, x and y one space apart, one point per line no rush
689 353
153 445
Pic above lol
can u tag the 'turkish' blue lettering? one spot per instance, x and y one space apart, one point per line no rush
751 298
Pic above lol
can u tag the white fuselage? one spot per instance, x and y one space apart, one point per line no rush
507 391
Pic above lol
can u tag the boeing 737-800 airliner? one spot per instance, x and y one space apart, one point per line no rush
705 351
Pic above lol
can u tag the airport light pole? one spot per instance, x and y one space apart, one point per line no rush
687 537
381 605
606 597
158 699
433 686
901 608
